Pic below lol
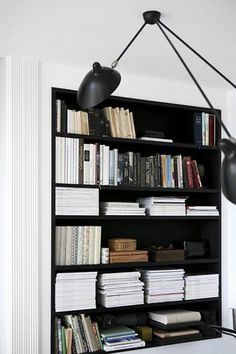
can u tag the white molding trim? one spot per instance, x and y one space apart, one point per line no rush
22 94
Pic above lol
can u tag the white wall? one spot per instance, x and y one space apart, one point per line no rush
138 87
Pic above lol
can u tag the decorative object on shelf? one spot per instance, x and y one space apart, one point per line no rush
101 81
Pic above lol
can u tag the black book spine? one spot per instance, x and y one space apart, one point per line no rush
151 159
81 161
120 174
159 171
143 171
135 175
131 168
147 182
138 169
126 168
92 123
63 117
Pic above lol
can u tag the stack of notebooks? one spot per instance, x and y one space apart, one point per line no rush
120 289
201 286
78 245
75 291
175 323
120 337
202 210
121 208
77 201
161 206
163 285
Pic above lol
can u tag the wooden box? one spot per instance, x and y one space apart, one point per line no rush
166 255
128 256
122 244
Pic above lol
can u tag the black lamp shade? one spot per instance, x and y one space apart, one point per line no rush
97 85
228 170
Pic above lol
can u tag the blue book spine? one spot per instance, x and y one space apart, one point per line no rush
168 171
197 124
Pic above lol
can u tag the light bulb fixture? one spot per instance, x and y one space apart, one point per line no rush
102 81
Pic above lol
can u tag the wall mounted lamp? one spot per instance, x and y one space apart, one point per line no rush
101 81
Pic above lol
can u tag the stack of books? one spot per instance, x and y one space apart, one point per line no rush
78 245
200 286
161 206
121 122
163 285
75 291
77 201
202 210
164 318
121 208
120 337
120 289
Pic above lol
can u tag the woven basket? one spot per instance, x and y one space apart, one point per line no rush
122 244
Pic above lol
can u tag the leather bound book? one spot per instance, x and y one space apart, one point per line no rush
189 172
196 175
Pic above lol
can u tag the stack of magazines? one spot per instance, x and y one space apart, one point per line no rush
120 289
199 286
75 291
202 210
121 208
161 206
163 285
120 337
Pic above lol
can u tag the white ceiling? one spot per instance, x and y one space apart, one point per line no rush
79 32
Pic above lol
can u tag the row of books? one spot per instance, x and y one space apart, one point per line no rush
81 163
76 334
204 129
108 122
78 245
77 291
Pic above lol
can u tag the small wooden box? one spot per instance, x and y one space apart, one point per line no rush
166 255
128 256
122 244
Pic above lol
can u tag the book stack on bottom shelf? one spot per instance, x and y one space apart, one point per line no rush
120 289
163 285
120 338
175 324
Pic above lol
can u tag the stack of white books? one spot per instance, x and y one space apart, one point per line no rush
121 208
172 316
201 286
75 291
77 201
202 210
163 285
161 206
120 289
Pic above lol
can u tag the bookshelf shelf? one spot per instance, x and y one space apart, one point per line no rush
120 141
159 305
136 180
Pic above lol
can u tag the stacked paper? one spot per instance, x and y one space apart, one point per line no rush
161 206
163 285
202 210
201 286
120 289
121 208
75 291
77 201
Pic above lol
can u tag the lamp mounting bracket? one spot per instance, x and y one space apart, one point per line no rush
151 17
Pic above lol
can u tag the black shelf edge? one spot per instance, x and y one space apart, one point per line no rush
133 217
137 141
140 189
101 309
98 267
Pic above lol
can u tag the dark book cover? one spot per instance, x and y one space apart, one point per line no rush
120 174
92 122
176 172
131 168
189 172
81 161
135 170
211 130
147 181
138 169
159 171
196 176
152 183
126 168
64 109
143 171
97 169
197 125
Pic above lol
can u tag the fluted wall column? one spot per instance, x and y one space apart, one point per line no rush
22 112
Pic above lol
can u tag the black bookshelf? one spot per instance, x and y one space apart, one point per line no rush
177 121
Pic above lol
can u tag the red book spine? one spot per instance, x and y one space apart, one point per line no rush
211 130
196 176
189 171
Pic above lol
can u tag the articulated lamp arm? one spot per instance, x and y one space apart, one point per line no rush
100 82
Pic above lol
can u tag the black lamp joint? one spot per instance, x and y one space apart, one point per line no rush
151 17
